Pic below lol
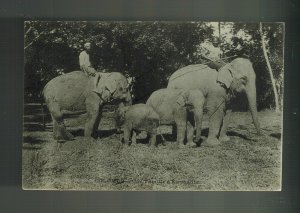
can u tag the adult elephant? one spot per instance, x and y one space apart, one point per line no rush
218 87
75 93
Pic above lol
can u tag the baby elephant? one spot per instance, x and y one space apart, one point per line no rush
138 117
183 108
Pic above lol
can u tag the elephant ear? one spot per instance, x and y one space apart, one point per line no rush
225 75
104 86
111 86
182 99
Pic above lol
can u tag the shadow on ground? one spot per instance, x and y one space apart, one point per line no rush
100 133
31 127
236 134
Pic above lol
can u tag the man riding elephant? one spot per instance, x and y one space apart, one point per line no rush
86 65
84 61
211 52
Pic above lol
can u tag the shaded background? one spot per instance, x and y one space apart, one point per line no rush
149 52
13 199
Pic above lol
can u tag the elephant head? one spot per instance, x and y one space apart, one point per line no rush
112 87
239 76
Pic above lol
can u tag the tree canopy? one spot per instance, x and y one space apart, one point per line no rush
147 51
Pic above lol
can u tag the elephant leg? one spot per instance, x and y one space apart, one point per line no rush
181 122
163 140
94 108
198 124
91 126
190 134
118 128
181 133
215 121
127 135
60 132
226 122
133 138
152 137
174 131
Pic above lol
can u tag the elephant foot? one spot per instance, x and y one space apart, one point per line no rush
191 144
211 142
128 143
180 146
151 145
163 140
152 142
224 138
133 140
198 141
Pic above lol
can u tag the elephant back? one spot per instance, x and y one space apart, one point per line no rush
68 89
186 70
193 77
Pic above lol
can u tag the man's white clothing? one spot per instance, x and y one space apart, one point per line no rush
85 64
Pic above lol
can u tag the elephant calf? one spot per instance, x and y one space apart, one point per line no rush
184 108
138 117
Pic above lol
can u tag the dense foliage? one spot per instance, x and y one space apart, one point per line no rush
148 51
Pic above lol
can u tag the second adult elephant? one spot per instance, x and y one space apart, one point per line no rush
75 93
217 86
183 108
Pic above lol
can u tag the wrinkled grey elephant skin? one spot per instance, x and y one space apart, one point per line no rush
75 93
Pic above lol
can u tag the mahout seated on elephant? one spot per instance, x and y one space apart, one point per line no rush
218 87
182 109
76 93
137 118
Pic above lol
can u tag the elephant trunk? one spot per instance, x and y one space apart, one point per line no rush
251 95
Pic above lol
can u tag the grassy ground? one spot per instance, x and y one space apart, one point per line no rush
246 162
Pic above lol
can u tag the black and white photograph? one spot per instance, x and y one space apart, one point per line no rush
153 106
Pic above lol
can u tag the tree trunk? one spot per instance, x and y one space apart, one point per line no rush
219 26
269 67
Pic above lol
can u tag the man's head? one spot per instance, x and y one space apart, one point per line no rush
215 41
87 46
